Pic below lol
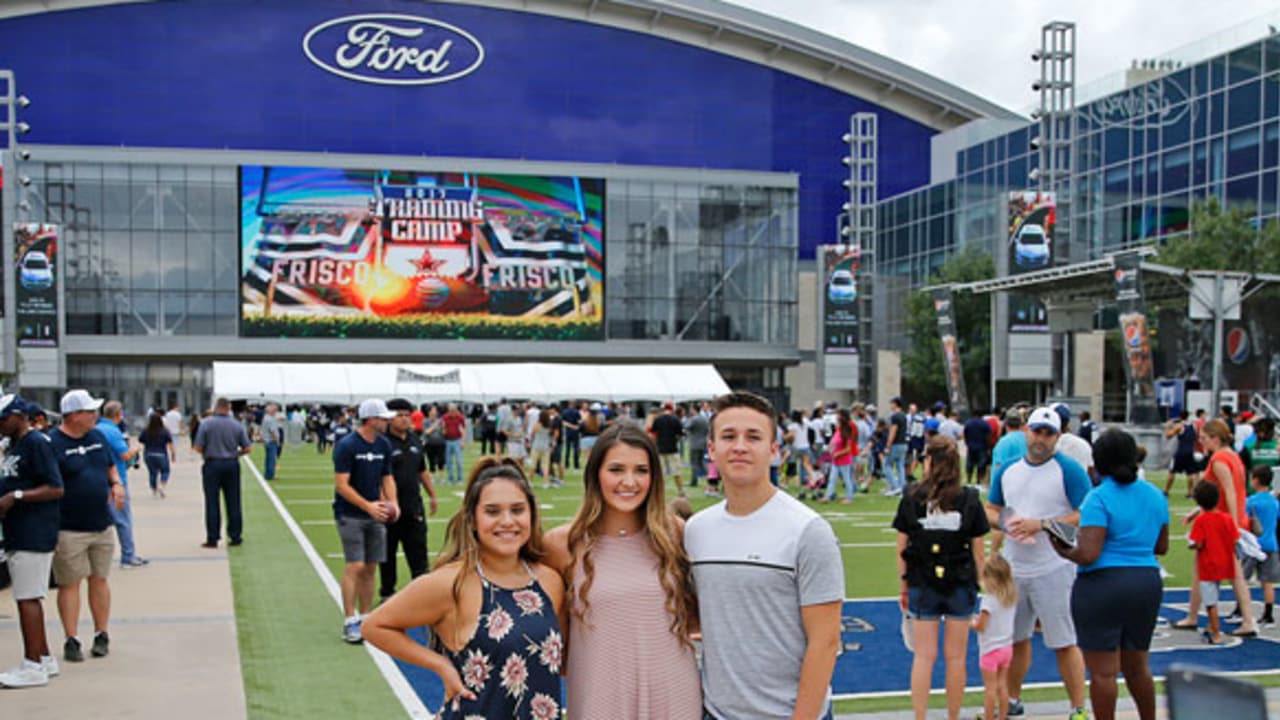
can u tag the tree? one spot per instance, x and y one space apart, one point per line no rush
1225 239
922 366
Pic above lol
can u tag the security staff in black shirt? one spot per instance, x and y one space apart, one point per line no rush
409 468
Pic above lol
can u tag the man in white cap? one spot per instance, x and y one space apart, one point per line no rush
1025 495
85 539
30 488
364 500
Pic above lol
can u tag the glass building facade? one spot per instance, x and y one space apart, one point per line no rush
151 257
1140 158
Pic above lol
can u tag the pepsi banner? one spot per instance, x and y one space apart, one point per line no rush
411 254
1136 335
957 398
36 307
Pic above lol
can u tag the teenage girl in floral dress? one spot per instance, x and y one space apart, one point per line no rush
492 606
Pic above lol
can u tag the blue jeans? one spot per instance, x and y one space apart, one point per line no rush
895 467
841 472
453 460
157 468
123 519
273 453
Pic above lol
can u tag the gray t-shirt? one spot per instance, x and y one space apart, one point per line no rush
753 574
221 436
999 632
271 429
696 430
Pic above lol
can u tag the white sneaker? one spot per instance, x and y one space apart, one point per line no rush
49 664
28 674
351 631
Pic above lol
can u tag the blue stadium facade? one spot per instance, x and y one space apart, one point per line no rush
717 131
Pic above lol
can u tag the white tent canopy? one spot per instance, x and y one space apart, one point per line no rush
349 383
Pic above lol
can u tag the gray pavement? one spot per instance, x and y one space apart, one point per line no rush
173 630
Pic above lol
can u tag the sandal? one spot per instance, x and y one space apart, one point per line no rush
1186 624
1244 633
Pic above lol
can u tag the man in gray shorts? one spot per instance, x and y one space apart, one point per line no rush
364 499
30 487
1024 496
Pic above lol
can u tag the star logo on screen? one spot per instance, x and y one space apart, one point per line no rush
427 263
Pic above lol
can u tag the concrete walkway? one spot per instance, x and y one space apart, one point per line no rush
173 630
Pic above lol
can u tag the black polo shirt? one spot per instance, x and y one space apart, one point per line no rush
407 465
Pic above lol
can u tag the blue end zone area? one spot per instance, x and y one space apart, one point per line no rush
875 662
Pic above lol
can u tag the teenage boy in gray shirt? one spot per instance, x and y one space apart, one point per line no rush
769 578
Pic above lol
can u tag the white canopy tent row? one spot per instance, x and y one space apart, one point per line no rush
349 383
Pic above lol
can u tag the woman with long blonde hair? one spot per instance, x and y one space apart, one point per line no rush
631 600
493 607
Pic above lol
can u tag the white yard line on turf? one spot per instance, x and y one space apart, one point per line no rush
399 685
868 545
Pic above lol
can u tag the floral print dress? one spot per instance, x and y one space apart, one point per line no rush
512 662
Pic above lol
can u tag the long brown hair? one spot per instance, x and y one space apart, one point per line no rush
461 542
941 484
674 571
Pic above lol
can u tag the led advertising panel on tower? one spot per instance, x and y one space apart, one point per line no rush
411 254
1032 220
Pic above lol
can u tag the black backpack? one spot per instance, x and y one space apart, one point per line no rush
942 559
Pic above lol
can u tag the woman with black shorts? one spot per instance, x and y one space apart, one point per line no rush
1124 524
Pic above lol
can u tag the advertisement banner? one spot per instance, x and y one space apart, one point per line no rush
957 398
36 292
840 265
413 254
1032 220
1136 335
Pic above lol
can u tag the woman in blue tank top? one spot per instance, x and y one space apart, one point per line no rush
494 609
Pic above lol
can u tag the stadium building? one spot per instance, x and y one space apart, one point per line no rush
1136 152
603 181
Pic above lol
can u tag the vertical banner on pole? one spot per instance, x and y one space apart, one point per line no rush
838 316
957 398
36 305
1136 336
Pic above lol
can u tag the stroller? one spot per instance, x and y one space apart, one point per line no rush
812 486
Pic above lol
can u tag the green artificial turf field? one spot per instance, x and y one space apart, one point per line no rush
295 664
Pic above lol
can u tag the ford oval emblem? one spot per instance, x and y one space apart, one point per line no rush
388 49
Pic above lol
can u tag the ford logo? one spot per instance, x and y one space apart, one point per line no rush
393 49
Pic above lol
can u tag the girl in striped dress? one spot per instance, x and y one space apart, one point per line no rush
631 593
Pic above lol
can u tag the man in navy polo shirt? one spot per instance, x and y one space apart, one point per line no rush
85 543
364 500
30 487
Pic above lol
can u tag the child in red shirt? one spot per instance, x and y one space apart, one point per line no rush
1213 537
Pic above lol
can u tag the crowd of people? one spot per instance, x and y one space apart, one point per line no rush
1008 524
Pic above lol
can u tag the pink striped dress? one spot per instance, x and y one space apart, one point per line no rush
624 663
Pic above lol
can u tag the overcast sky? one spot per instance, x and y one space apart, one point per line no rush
985 47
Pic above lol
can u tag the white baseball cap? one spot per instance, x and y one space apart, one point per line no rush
77 400
1044 417
373 408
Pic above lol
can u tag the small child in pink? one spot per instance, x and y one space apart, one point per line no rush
994 623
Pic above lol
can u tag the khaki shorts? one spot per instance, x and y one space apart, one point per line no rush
83 554
30 573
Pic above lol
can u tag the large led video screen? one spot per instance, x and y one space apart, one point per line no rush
331 252
1032 222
